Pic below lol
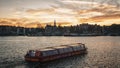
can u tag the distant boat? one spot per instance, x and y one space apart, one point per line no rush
52 53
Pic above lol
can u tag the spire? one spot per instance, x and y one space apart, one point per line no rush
54 22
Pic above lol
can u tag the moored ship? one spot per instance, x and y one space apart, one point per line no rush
57 52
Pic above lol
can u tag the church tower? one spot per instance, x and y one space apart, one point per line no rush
54 23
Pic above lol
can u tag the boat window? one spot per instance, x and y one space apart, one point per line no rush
83 46
76 48
49 52
61 50
68 49
32 53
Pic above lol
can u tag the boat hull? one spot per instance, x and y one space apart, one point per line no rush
54 57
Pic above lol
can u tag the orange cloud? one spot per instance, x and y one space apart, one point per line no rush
108 16
6 23
101 18
29 23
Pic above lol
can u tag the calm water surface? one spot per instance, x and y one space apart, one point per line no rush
103 52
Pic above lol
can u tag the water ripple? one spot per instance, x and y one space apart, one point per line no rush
103 52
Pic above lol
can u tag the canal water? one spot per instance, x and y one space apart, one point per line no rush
103 51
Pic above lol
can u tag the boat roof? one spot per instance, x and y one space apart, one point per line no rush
76 44
57 47
62 46
47 49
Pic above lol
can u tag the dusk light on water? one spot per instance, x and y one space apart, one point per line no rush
103 52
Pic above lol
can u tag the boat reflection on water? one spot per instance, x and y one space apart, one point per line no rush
66 62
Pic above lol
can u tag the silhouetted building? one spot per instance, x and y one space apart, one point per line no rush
54 30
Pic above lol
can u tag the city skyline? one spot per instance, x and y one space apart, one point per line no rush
65 12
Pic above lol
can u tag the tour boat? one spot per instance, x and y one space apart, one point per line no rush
57 52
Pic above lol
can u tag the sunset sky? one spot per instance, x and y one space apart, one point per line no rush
65 12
